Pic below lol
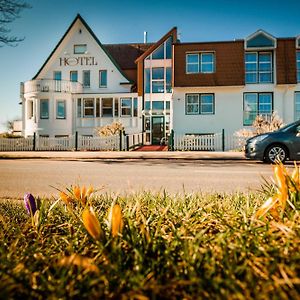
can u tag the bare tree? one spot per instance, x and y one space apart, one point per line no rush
9 11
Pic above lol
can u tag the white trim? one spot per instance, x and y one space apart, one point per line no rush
256 33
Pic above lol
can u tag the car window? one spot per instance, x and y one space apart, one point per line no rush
290 127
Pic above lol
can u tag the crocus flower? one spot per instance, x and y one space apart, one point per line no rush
30 204
115 220
91 223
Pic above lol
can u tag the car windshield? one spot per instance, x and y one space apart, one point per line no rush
289 126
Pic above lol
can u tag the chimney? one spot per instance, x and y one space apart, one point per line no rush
145 37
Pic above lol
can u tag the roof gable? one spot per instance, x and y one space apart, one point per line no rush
260 40
78 17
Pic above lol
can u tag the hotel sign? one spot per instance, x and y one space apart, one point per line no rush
78 61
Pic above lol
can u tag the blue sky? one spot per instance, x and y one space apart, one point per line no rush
120 21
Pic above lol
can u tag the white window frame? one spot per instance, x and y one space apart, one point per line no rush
192 104
83 83
44 117
258 102
124 106
193 63
74 72
65 109
85 107
258 71
100 77
80 46
161 80
199 104
200 62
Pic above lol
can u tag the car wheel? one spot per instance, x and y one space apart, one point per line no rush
276 153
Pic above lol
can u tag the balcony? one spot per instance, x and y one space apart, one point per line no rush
50 86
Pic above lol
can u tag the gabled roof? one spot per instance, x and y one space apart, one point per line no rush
78 17
126 54
172 32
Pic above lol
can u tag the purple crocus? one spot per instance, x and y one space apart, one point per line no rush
30 204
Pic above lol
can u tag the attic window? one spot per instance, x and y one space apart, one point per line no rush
260 40
80 49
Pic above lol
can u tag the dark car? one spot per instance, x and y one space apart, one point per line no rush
275 146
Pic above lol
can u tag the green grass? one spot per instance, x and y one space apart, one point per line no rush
172 247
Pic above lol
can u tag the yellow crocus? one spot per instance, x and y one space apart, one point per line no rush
91 223
66 198
116 220
280 176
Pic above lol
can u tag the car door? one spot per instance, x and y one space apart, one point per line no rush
295 144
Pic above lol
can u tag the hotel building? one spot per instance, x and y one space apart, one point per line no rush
192 88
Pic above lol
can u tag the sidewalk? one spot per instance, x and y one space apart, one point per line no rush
118 155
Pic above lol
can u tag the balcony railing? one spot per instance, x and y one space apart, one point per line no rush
50 85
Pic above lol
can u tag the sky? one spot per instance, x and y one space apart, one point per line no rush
121 21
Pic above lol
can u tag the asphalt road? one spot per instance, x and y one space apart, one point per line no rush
120 177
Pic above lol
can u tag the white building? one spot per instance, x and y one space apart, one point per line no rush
193 88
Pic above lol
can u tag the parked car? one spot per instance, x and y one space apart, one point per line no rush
275 146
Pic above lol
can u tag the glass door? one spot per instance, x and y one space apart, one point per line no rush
158 129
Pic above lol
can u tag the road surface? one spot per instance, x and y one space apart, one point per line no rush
128 176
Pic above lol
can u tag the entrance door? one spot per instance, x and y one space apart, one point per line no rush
158 129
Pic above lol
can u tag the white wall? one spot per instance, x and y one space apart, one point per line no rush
229 107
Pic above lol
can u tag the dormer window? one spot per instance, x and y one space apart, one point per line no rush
259 57
80 49
260 40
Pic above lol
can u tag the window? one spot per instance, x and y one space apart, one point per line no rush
88 107
44 109
79 108
116 107
97 107
135 107
147 106
126 107
297 106
257 104
73 76
57 82
147 80
200 62
158 80
298 65
80 49
60 109
169 80
57 75
258 66
169 48
86 79
103 78
159 53
157 107
203 104
107 107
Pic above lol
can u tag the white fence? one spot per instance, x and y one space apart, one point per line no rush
62 143
208 142
16 144
55 144
135 140
99 143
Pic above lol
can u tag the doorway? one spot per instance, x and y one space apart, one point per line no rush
158 129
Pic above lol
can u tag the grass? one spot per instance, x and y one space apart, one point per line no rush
194 246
